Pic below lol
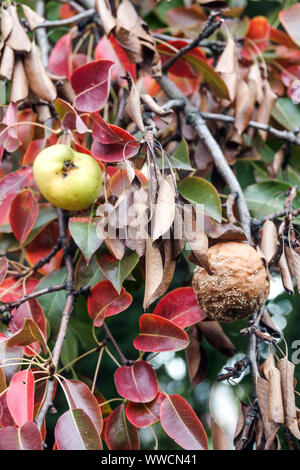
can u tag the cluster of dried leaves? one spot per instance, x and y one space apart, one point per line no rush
21 62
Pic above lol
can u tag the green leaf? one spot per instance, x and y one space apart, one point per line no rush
210 76
69 349
84 233
117 271
286 113
180 158
200 191
53 303
87 275
267 197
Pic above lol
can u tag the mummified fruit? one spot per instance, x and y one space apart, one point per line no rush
239 285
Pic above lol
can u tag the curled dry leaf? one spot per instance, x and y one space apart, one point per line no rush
243 435
19 88
32 17
228 68
133 105
7 63
285 273
219 437
37 76
270 427
286 369
107 19
265 107
6 24
215 335
196 358
274 167
272 374
17 39
166 116
164 209
154 272
245 102
269 240
293 261
168 269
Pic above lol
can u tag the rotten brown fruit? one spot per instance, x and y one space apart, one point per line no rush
238 286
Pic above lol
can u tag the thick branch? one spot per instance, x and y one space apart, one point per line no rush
194 118
41 35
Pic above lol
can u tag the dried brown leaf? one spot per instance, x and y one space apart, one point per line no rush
164 209
215 335
116 247
37 76
274 167
18 39
267 322
269 240
245 102
107 19
6 24
293 261
169 269
193 353
154 272
286 369
133 105
7 63
270 427
166 116
19 88
265 108
218 436
32 17
285 274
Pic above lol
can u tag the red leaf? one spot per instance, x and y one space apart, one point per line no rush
27 437
181 68
290 20
157 334
11 289
110 49
66 11
60 59
41 246
182 424
5 418
68 116
91 83
180 307
111 143
33 149
119 432
20 397
80 396
137 383
23 214
34 312
75 431
104 301
3 268
142 415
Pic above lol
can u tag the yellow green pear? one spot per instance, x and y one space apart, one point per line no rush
66 178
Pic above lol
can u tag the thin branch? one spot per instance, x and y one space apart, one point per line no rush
7 307
208 30
109 337
282 213
197 122
69 304
41 35
67 21
289 136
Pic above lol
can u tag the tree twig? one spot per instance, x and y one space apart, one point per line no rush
69 304
67 21
109 337
41 34
208 30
